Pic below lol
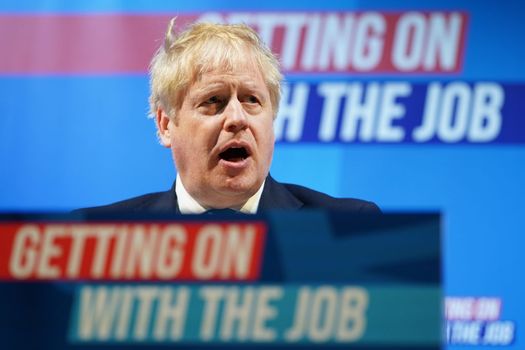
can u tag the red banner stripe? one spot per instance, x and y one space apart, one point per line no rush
220 251
306 42
90 44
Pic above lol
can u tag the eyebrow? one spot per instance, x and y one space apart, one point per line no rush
210 87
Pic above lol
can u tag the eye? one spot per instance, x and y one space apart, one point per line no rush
213 104
251 99
213 100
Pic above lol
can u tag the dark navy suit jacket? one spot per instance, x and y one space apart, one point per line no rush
275 196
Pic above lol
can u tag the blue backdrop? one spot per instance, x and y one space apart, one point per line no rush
78 136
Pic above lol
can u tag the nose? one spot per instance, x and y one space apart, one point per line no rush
235 117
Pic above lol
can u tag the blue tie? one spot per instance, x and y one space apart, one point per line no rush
227 211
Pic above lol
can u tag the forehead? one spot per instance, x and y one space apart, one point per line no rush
240 77
244 72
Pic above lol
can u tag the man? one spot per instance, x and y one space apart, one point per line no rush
215 91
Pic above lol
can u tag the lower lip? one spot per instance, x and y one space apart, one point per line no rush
234 165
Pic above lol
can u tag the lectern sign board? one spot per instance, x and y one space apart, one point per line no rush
308 279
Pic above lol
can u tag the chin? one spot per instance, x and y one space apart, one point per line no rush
246 185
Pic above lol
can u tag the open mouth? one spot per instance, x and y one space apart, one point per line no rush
234 154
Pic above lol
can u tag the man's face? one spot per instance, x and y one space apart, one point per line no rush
222 136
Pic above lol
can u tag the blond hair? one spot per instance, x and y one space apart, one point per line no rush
201 48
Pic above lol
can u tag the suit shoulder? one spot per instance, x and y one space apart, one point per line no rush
316 199
144 202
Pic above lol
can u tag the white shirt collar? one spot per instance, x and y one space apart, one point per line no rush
188 205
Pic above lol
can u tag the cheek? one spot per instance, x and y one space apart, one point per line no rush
270 150
181 147
196 140
266 141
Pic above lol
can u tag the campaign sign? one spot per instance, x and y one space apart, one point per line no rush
308 279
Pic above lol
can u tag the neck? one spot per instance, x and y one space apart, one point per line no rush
193 204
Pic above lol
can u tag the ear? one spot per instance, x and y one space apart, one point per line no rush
162 120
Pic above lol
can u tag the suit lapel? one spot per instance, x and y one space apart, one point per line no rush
167 202
276 196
